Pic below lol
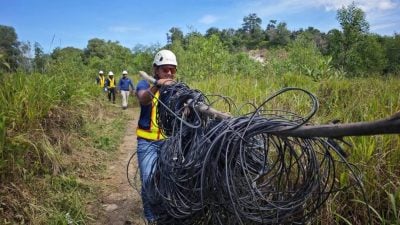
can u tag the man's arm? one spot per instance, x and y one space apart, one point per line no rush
120 82
146 96
131 84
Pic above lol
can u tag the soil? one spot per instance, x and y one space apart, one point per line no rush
119 203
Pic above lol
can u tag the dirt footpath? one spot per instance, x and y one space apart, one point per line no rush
119 203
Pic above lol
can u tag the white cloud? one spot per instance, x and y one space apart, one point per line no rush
381 14
208 19
266 7
123 29
383 26
366 5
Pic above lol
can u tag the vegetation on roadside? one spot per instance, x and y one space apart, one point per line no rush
56 129
51 142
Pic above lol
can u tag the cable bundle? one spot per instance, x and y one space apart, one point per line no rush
238 170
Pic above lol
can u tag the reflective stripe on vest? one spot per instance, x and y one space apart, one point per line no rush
101 79
154 133
112 83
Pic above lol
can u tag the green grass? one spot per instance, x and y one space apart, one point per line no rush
52 124
49 130
346 99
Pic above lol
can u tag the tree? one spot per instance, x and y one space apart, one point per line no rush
335 46
271 25
278 36
353 22
305 57
39 60
108 55
203 56
25 61
96 47
212 31
9 48
251 23
251 32
68 61
372 54
228 38
143 56
319 38
175 34
392 48
354 28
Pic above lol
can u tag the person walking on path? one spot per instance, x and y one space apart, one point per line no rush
100 80
123 86
110 86
149 136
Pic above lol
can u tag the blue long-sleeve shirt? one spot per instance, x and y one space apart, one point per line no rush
124 84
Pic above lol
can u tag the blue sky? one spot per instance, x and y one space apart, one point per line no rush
63 23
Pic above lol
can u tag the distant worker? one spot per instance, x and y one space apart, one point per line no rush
123 85
100 80
110 86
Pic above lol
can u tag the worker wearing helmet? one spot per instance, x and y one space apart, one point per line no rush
110 86
123 86
149 135
100 80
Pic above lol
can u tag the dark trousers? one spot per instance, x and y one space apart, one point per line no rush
111 94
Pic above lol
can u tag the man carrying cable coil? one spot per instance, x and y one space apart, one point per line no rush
149 135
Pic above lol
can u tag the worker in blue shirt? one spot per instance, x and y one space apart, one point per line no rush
123 86
149 135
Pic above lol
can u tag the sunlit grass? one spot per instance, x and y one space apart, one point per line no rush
348 100
49 124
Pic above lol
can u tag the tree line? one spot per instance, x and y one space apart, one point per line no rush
352 49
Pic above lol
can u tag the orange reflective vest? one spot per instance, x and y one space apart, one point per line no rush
154 133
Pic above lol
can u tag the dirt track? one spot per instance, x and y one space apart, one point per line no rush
119 203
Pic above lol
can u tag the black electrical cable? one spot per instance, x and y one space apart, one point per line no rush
239 170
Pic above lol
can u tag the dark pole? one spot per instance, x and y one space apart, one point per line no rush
389 125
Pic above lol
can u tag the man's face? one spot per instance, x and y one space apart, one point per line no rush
166 71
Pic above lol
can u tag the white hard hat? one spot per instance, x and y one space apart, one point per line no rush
125 72
165 57
110 73
101 72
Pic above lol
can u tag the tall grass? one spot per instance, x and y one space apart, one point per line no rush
349 100
27 100
41 122
44 117
342 97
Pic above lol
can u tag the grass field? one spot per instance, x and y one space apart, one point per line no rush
48 122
